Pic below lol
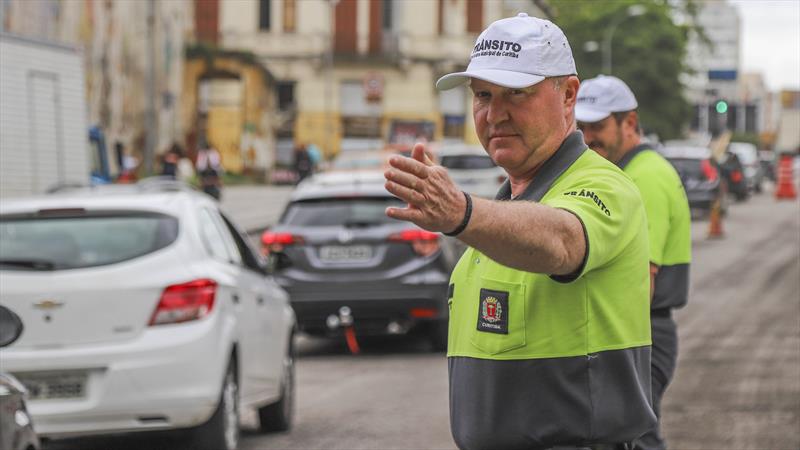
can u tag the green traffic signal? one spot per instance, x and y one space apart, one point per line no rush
722 106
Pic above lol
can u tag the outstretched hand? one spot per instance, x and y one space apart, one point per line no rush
433 200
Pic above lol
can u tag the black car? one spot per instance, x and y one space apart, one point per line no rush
335 248
699 174
16 426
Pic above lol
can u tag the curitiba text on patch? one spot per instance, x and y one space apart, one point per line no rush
591 195
494 47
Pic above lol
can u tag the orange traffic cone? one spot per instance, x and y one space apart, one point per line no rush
785 188
715 221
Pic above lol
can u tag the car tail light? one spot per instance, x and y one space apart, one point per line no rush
276 242
423 313
424 243
185 302
709 171
736 176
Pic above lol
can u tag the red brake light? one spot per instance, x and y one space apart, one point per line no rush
709 171
185 302
424 243
736 176
275 242
423 313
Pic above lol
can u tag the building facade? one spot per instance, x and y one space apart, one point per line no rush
724 98
359 74
130 48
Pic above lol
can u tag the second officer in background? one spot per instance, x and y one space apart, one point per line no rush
606 113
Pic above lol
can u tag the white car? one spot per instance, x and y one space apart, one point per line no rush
144 309
472 169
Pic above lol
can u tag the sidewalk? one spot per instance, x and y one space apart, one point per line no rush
255 207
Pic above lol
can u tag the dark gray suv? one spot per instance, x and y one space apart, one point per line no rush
335 247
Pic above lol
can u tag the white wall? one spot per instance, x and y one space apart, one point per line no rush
28 163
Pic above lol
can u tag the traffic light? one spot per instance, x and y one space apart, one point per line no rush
721 106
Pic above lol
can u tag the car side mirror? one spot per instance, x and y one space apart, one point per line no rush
10 326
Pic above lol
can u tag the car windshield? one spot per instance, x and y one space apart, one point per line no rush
467 162
349 212
87 240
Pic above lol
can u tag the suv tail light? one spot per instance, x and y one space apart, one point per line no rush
708 170
424 243
185 302
276 242
736 176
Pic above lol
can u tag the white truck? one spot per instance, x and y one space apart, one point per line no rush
43 131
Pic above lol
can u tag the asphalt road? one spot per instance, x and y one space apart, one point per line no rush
737 384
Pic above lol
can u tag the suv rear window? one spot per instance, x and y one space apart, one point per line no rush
350 212
686 167
467 162
82 240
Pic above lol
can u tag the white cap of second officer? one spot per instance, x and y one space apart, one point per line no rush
601 96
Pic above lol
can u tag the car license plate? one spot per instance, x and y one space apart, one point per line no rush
341 253
54 385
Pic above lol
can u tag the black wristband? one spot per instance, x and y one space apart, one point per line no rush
467 215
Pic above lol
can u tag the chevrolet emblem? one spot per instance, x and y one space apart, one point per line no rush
47 305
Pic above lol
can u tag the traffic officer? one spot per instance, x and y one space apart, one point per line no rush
549 334
606 112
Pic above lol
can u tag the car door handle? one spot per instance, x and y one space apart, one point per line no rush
235 298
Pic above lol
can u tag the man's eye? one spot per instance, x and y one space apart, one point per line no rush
482 94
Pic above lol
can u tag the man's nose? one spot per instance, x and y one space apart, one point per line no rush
497 113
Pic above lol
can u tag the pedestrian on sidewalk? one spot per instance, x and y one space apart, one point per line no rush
606 113
549 332
209 169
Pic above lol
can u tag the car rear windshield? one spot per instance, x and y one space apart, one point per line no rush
467 162
44 242
687 167
348 212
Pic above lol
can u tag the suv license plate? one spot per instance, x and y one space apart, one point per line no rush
351 253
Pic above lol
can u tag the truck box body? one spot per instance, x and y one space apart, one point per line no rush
43 128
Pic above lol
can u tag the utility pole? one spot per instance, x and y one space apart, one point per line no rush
150 90
329 82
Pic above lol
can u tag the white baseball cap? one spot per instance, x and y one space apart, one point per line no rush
601 96
516 52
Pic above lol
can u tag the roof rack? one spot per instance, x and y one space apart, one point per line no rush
164 184
149 184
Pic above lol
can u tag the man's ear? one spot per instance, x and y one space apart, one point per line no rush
632 122
570 87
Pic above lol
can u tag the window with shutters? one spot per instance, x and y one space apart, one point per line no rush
264 14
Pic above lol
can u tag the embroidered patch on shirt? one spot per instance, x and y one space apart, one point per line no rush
493 311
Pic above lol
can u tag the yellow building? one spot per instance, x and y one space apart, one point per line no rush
357 74
228 99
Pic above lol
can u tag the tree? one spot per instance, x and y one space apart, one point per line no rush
648 53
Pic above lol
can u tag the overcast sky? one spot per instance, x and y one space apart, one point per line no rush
770 40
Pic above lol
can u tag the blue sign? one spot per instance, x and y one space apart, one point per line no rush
722 75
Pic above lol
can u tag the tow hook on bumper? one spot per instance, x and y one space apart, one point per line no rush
345 320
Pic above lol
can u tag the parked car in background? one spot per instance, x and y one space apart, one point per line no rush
748 156
733 172
767 160
472 169
335 247
16 425
699 174
145 309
